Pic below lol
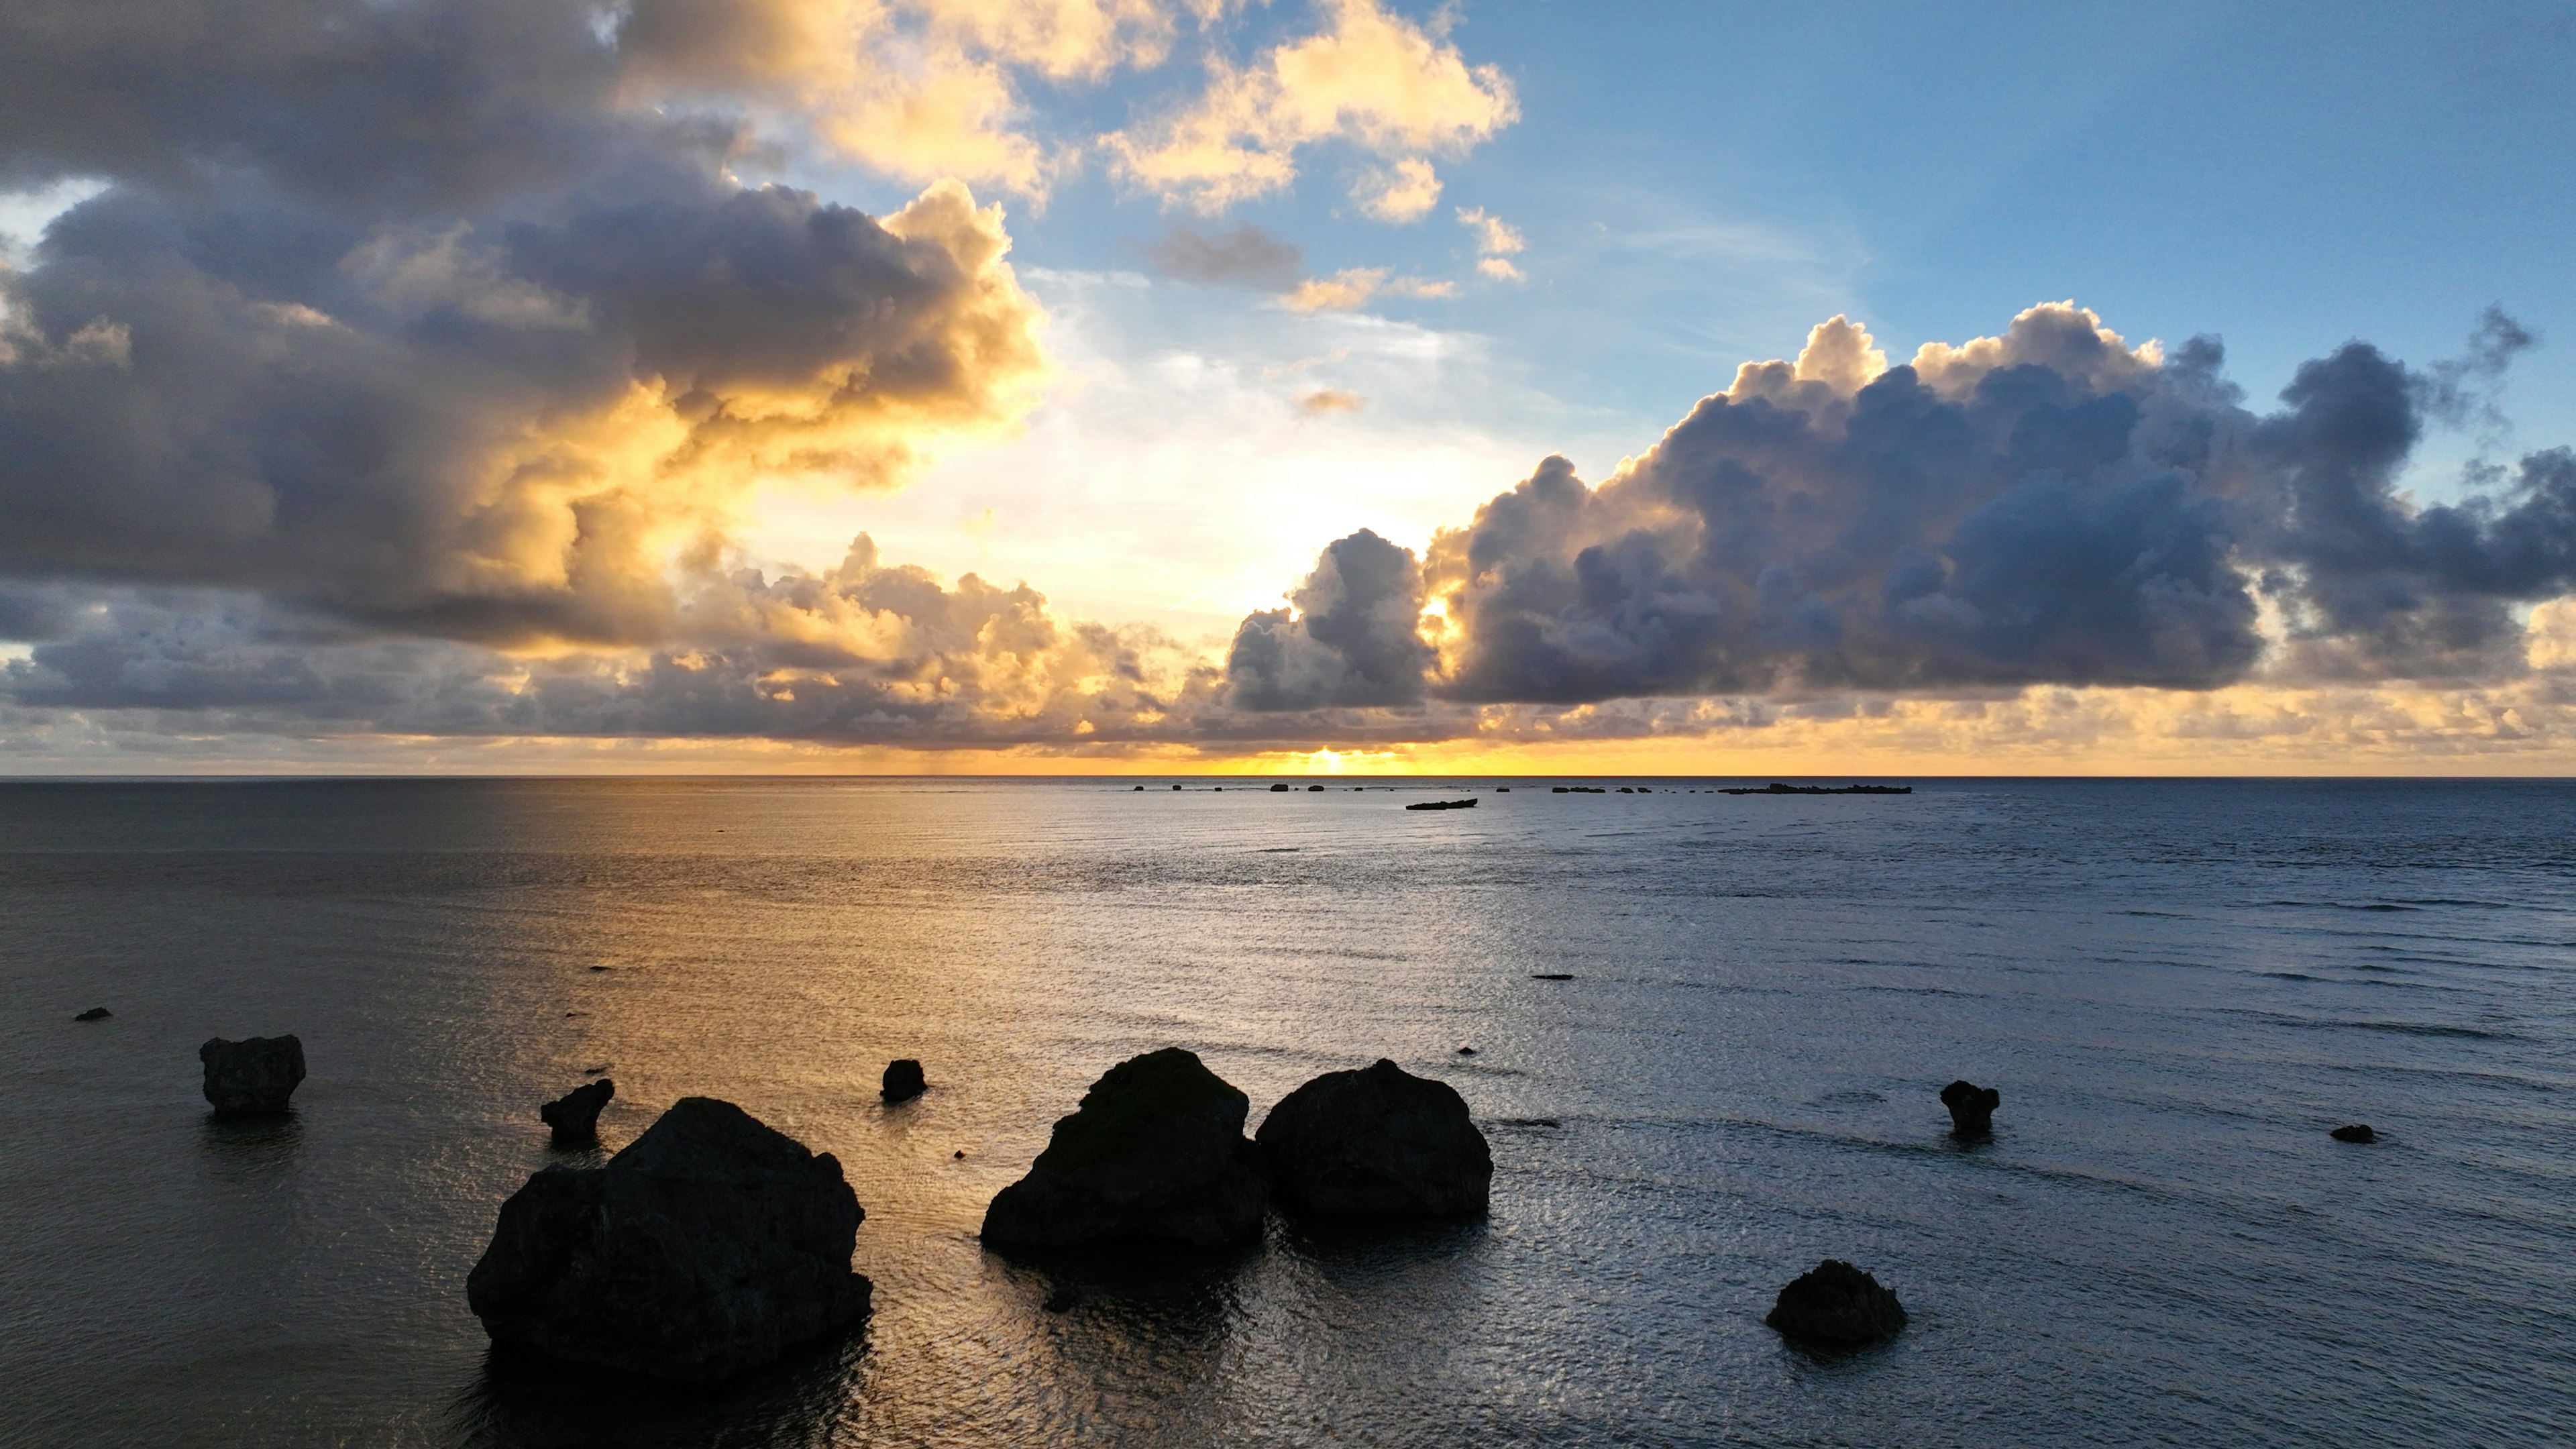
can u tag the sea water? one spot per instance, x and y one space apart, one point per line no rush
2178 988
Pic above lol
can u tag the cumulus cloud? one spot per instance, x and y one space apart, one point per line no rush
1371 78
1403 192
1497 242
1245 255
1351 640
869 652
2048 507
468 346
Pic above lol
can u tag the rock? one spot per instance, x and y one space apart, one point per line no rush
95 1013
1836 1303
1379 1142
1279 789
2357 1132
1551 976
575 1114
1315 789
903 1081
1972 1109
254 1075
711 1245
1466 1051
1155 1152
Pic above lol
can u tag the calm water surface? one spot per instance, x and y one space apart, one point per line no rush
2178 987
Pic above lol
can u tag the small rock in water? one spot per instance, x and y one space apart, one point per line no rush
95 1013
253 1076
902 1081
1551 976
960 1153
711 1245
1156 1152
1972 1109
2357 1132
598 968
594 1071
1836 1303
575 1114
1379 1142
1466 1051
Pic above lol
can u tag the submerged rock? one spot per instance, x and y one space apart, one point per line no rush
902 1081
95 1013
2357 1132
254 1075
1972 1109
1379 1142
1836 1303
575 1114
711 1245
1156 1152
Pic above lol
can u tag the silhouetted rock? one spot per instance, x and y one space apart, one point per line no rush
711 1245
252 1076
1155 1152
95 1013
1551 976
903 1081
2357 1132
1972 1108
1836 1303
1379 1142
1279 789
575 1114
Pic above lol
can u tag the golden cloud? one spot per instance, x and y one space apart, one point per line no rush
1372 78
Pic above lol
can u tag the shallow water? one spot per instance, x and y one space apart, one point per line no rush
2177 986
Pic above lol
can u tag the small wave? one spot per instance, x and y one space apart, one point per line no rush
2161 915
2292 976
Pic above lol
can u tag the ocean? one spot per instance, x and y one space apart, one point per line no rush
2178 987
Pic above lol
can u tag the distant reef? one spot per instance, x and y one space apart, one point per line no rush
1776 788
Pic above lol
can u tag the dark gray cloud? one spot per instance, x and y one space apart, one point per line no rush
1243 256
400 312
1353 640
2044 508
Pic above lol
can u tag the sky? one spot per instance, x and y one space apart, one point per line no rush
1319 385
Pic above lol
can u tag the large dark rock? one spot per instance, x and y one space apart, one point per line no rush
252 1076
1376 1143
1972 1109
711 1245
95 1013
2356 1132
903 1080
1155 1152
575 1114
1836 1303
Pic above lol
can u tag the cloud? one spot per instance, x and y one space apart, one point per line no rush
408 315
922 89
1403 192
1327 400
1494 236
489 428
867 652
1243 256
1351 640
1372 79
2047 507
1496 240
1355 287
